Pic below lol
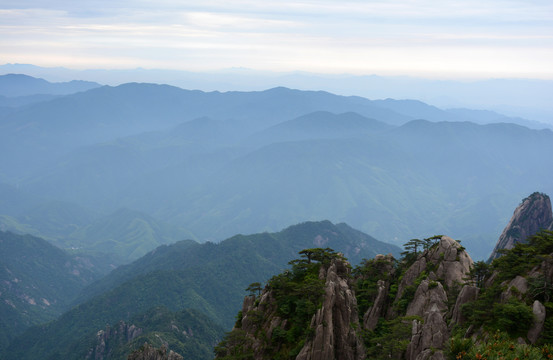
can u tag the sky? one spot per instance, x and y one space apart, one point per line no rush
440 39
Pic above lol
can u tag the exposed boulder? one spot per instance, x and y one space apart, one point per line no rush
452 260
468 293
430 296
515 288
531 216
539 319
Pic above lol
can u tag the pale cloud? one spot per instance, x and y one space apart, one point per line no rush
475 38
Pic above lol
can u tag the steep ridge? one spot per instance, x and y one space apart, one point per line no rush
37 282
531 216
269 327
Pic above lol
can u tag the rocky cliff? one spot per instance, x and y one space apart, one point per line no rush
112 337
420 292
147 352
335 324
532 215
423 306
309 313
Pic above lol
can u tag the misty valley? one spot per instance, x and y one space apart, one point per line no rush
147 221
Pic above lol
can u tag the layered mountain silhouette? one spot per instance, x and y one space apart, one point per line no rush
215 164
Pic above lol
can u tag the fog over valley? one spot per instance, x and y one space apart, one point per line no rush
256 180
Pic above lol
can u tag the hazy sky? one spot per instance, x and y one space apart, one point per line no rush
440 38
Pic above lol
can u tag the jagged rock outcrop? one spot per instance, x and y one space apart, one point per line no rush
430 296
429 337
430 303
378 309
531 216
370 319
336 322
443 266
451 263
452 260
109 338
468 293
334 326
148 352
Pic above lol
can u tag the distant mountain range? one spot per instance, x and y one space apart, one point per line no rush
526 98
19 85
208 165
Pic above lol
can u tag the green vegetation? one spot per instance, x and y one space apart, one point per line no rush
297 295
37 282
524 256
390 338
367 274
512 316
187 275
478 273
500 346
187 332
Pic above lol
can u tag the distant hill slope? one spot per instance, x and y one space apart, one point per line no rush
104 113
116 238
206 277
126 234
394 182
16 85
276 248
221 163
319 125
37 282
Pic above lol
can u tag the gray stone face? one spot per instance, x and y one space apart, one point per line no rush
468 293
336 322
531 216
428 299
454 264
516 287
370 319
539 319
149 352
122 332
430 303
431 335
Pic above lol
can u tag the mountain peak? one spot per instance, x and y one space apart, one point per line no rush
532 215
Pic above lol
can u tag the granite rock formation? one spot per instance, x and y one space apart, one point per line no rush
531 216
